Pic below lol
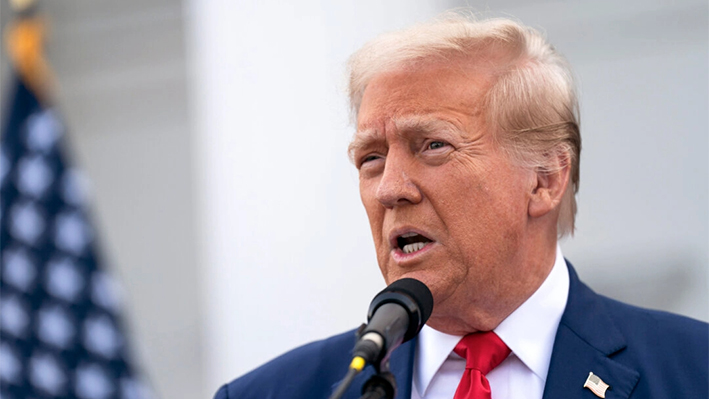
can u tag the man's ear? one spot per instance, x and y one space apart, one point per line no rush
550 186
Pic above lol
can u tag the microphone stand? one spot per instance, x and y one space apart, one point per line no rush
381 385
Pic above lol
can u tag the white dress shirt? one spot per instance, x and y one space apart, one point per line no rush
529 332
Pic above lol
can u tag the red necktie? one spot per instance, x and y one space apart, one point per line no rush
482 352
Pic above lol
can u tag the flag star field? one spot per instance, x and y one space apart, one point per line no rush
60 330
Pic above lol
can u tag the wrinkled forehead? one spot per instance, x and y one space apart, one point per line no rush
423 96
488 59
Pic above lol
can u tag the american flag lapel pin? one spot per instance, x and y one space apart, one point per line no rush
596 385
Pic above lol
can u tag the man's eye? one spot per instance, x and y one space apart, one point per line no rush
368 158
434 145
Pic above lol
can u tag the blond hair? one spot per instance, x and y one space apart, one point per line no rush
531 105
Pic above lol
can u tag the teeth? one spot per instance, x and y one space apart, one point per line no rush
411 248
408 235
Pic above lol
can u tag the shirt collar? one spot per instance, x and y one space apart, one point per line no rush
531 329
533 346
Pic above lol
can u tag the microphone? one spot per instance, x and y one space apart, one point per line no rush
395 316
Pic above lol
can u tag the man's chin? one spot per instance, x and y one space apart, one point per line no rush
425 276
440 289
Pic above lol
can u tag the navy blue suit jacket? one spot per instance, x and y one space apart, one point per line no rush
640 353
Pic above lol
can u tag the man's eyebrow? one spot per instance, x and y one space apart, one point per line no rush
425 125
361 139
408 124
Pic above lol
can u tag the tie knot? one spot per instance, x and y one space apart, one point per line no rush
482 351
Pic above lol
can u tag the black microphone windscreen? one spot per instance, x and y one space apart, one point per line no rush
417 291
413 296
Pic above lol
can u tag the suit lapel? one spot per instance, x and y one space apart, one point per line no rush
402 366
585 342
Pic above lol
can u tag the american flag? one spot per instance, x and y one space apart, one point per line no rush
60 332
596 385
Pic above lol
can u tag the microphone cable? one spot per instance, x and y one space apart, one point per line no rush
356 366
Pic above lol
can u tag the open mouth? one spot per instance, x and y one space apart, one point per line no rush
411 242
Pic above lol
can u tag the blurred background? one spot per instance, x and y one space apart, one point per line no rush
214 136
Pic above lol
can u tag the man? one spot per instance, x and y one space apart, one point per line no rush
467 147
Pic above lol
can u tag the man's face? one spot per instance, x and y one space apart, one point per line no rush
445 204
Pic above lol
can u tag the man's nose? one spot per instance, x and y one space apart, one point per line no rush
396 188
